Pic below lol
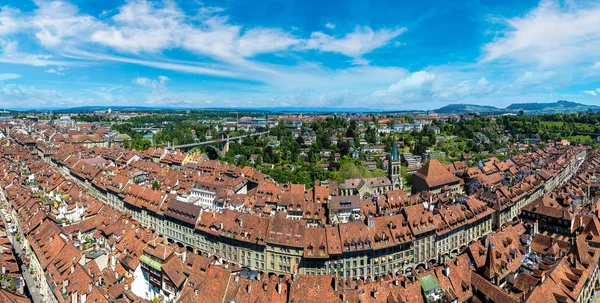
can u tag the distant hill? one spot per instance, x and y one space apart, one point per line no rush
561 106
466 108
89 109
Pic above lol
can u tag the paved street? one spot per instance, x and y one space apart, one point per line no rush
32 286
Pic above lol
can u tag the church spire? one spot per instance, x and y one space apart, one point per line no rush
490 268
394 154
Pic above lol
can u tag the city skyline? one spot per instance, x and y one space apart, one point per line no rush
385 55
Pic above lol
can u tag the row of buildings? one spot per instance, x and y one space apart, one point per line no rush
286 230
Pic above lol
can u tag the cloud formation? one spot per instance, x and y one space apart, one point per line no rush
594 92
533 57
549 35
9 76
361 41
158 84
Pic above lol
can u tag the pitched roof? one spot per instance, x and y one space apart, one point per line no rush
435 174
490 268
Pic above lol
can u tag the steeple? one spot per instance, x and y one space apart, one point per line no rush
394 166
490 268
394 154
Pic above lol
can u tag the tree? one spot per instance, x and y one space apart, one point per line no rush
371 135
155 184
268 154
344 148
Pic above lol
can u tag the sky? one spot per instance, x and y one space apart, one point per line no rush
389 55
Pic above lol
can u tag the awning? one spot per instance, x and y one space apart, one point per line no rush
428 283
154 264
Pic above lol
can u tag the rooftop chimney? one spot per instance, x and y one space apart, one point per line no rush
335 283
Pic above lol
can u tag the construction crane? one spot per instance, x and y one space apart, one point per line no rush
236 116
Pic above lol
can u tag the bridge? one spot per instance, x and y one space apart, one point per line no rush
223 140
147 129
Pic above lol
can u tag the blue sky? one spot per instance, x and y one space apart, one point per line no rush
281 53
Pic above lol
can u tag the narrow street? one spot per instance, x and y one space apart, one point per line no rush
31 285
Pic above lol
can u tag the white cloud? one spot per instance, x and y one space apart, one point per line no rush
592 92
417 82
360 61
361 41
59 23
139 20
426 87
550 34
13 95
9 20
140 32
10 53
330 25
465 89
179 66
60 71
264 40
155 85
9 76
531 79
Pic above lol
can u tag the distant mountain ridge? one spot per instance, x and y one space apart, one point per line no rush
466 108
561 106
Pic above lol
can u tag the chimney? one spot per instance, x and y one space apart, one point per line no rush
446 270
249 288
279 288
72 268
265 286
335 283
375 293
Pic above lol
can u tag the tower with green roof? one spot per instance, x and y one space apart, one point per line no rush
394 164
